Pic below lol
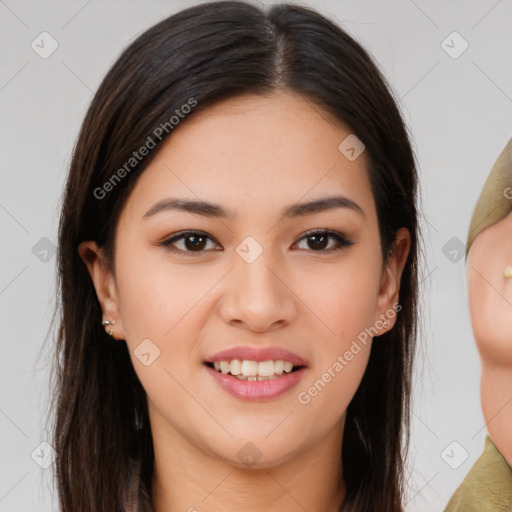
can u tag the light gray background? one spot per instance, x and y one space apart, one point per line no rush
459 111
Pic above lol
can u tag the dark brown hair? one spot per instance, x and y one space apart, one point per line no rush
206 53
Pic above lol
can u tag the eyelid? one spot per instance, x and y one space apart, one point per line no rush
342 240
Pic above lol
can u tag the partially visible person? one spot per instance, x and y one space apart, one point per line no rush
488 485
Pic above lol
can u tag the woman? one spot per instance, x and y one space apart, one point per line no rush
239 224
488 485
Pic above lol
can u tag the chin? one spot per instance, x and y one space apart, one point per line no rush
256 453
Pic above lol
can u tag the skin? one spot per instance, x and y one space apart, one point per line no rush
254 155
490 303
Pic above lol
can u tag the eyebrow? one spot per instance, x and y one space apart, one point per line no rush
217 211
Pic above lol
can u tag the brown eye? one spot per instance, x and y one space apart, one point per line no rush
318 240
193 242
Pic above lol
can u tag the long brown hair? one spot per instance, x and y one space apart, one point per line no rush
209 52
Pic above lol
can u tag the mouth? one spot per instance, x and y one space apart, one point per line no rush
250 370
256 373
247 379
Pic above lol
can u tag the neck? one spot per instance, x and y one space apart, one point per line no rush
188 479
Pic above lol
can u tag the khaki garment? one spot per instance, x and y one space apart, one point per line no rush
487 487
495 201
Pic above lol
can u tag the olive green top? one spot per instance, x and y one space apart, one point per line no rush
487 487
495 201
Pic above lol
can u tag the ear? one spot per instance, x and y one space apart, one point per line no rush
387 300
105 286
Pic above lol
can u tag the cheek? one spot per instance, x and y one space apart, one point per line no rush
490 301
155 297
345 299
163 314
333 381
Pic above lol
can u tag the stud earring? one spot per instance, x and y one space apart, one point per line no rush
508 272
105 323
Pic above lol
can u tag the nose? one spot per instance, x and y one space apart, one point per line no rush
258 296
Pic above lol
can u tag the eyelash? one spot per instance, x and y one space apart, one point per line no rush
340 239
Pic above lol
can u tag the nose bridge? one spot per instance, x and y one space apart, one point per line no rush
252 267
257 295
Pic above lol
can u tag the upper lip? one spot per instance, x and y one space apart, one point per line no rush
257 354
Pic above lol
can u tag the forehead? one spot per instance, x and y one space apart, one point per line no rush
253 151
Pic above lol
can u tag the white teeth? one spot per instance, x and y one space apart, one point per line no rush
254 370
236 367
266 368
249 368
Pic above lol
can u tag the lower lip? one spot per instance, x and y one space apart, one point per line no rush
257 390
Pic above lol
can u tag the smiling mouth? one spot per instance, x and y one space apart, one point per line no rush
253 370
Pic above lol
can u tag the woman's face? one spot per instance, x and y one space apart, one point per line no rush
490 293
250 279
